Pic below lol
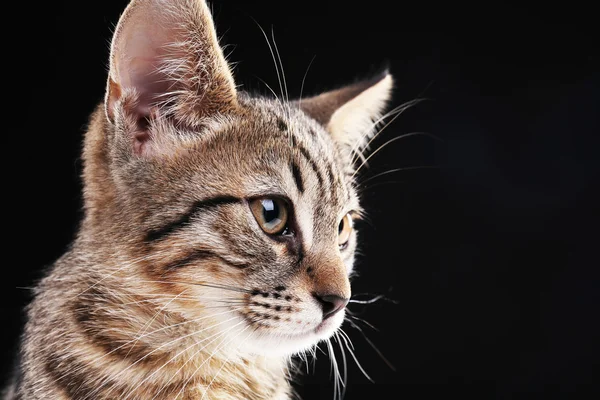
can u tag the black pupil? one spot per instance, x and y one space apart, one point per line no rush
341 227
271 210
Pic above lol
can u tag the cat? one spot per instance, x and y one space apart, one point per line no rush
217 239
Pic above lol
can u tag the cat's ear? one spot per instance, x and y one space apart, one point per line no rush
165 59
351 113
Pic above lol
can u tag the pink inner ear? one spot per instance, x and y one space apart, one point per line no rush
139 63
138 68
148 83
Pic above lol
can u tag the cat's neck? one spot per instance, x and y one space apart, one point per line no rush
121 345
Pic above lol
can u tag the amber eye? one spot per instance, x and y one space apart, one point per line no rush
271 215
345 230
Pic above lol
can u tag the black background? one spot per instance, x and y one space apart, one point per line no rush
489 253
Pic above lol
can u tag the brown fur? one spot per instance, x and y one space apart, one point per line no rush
171 289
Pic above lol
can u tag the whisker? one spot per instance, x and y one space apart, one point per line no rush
110 275
159 296
211 285
174 341
343 333
364 322
222 366
334 370
373 300
370 188
268 87
304 357
156 300
211 356
400 169
158 348
395 112
406 135
358 364
217 335
287 97
272 55
389 364
313 351
226 305
147 325
304 79
345 364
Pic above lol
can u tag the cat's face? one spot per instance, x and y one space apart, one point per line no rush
240 209
260 210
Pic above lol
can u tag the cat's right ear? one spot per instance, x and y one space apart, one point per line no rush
351 113
166 62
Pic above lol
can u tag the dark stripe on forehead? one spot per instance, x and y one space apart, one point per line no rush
341 182
184 220
332 182
282 125
312 164
298 177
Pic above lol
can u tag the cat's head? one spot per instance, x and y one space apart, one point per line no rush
234 208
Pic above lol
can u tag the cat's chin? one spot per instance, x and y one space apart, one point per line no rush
275 344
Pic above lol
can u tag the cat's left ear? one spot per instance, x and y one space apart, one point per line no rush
166 56
351 113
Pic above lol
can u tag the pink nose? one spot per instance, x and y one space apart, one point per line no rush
331 304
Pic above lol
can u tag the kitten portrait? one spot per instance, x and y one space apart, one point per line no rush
317 200
218 233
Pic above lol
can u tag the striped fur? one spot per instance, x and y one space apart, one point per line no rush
171 290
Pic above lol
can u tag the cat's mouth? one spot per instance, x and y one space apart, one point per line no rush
324 326
319 330
280 337
303 330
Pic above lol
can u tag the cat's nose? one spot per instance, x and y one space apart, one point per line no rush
331 304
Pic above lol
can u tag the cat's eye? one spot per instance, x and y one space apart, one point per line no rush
345 230
271 214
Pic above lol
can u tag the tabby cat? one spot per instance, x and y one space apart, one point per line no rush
218 234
